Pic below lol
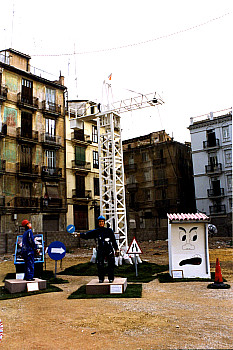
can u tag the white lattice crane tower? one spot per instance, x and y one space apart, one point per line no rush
111 168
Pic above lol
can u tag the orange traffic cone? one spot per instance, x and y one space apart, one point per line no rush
218 280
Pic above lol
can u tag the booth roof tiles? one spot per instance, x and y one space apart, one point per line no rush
186 217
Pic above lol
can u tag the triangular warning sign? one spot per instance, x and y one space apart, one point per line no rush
134 248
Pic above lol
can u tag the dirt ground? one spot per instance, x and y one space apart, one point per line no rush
183 315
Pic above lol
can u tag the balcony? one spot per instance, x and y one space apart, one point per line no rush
161 182
26 204
87 195
51 108
211 144
2 166
213 169
3 93
52 173
30 136
217 209
159 162
31 103
130 167
2 202
132 187
82 139
3 130
52 204
212 193
50 140
27 170
162 203
81 165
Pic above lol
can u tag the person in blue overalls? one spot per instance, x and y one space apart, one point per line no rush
106 244
28 248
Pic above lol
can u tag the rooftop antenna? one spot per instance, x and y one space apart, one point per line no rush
12 26
75 70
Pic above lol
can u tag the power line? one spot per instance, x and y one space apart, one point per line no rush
139 43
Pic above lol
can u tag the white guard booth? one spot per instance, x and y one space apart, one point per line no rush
188 245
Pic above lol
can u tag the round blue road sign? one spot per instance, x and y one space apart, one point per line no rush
70 228
56 250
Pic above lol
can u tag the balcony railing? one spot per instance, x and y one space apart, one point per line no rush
213 168
217 209
132 187
3 130
51 108
51 172
26 202
31 135
28 102
161 182
215 192
160 161
162 203
2 201
50 204
85 194
27 169
2 166
3 92
79 164
211 144
130 167
49 139
83 138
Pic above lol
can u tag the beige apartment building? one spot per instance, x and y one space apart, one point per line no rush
32 147
82 166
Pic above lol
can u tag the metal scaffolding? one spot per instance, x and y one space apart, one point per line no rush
111 168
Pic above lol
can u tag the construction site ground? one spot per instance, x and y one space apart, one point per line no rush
184 315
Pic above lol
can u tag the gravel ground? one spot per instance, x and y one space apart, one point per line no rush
183 315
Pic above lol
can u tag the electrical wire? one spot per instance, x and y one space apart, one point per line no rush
139 43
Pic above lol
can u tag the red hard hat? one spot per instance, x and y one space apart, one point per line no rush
25 222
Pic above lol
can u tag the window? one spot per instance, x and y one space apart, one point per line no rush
211 138
26 125
51 99
80 186
25 158
147 194
96 186
95 160
50 127
27 88
131 159
230 203
145 157
25 189
228 158
131 179
50 159
147 176
80 158
225 133
229 183
94 134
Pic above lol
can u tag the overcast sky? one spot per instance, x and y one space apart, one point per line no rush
181 49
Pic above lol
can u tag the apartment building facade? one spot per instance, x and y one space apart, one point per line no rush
32 147
158 173
82 166
211 140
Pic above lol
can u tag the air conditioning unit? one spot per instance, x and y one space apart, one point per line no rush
76 124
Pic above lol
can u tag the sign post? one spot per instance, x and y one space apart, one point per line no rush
56 251
134 249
